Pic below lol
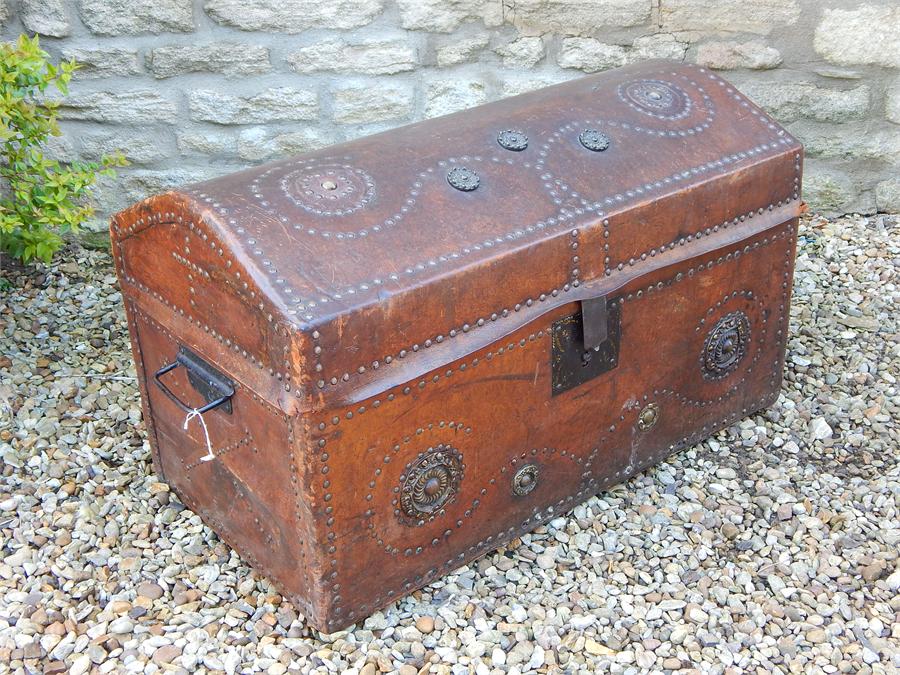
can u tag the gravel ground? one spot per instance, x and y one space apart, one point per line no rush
771 547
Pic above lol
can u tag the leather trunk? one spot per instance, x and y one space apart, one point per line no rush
430 341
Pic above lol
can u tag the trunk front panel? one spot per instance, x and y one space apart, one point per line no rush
418 480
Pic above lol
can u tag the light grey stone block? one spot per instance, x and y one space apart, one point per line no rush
375 57
522 84
61 148
576 17
445 16
207 142
293 16
132 17
523 52
460 51
727 16
887 194
269 105
137 147
753 55
46 17
259 143
848 141
133 184
444 96
142 183
865 34
590 55
657 46
892 102
360 104
789 101
828 190
129 107
228 58
103 61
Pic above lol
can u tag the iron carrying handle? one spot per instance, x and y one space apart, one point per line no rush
215 388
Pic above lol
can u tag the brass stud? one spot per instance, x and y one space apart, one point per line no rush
648 417
525 480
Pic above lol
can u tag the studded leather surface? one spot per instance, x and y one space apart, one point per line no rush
356 241
390 334
350 224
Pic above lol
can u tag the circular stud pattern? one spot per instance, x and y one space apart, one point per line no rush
309 308
463 179
594 140
525 480
429 483
648 417
592 481
512 139
329 190
725 346
659 99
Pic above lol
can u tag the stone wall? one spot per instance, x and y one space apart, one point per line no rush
189 89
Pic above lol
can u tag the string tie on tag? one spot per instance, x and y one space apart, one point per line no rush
199 415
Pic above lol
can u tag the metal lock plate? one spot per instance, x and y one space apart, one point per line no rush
571 362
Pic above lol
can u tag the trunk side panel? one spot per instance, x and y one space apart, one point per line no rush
182 288
246 494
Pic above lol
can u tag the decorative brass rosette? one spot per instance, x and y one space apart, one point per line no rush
428 484
725 346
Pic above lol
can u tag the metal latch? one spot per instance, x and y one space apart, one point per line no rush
585 344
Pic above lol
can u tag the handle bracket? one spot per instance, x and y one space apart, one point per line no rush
215 388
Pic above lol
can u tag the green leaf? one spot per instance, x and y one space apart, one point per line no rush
44 198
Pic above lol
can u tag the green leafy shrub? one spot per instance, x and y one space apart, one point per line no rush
40 198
